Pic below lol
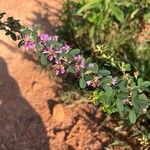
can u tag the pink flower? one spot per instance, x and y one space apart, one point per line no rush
26 37
59 68
64 48
79 62
114 81
51 53
43 37
53 38
29 45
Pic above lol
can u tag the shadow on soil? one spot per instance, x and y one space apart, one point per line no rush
27 56
47 17
20 126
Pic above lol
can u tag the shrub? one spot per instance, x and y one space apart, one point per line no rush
116 88
122 93
113 23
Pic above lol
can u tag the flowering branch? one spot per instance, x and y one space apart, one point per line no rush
126 94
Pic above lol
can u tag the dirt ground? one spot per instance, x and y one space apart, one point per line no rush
31 117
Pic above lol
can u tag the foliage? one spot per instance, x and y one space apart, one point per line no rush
124 93
115 85
11 27
113 23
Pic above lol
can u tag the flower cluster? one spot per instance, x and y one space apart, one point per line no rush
52 52
79 64
60 56
29 44
59 68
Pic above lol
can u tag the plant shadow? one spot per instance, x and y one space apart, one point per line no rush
47 17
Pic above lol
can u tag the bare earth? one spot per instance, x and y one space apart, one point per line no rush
31 117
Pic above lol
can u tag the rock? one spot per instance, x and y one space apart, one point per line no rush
58 113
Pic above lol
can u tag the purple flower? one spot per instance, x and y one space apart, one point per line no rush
94 83
26 37
79 63
114 81
64 48
91 65
53 38
43 37
29 45
51 53
59 68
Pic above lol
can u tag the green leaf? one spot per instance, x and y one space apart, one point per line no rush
132 116
44 60
38 46
33 34
127 67
94 69
146 83
82 83
13 36
20 43
88 60
89 5
8 33
135 101
109 90
122 95
118 13
106 80
119 105
58 45
25 31
10 19
148 136
123 86
49 43
140 81
70 69
74 52
88 77
104 72
143 84
140 102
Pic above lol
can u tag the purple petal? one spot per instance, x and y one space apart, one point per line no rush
44 37
91 65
